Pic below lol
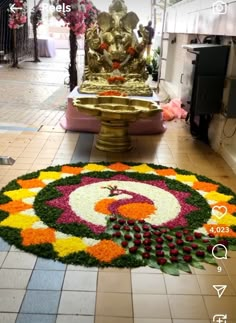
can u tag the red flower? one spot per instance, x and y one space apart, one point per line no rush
131 51
164 230
179 234
146 255
171 245
179 242
174 259
113 218
210 247
157 233
147 242
117 234
137 242
159 246
169 238
131 222
141 221
189 238
223 242
104 46
128 237
187 249
174 252
185 231
147 234
126 228
200 253
161 261
197 235
154 226
124 244
116 226
115 65
137 236
159 240
187 258
136 228
146 227
121 221
194 245
148 248
205 240
211 235
133 249
160 253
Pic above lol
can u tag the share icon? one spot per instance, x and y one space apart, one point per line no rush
220 289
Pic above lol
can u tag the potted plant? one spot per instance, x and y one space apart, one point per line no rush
149 64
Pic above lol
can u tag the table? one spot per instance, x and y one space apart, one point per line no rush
46 47
75 120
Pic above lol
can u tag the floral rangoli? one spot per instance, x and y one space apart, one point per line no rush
119 214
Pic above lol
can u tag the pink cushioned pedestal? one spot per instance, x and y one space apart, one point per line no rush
77 121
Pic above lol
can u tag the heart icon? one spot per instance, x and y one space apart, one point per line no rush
219 211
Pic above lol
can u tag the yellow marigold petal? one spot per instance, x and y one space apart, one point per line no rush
144 168
186 178
30 183
37 236
227 219
49 175
19 194
19 221
94 167
67 246
215 196
106 250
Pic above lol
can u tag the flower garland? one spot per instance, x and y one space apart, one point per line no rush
17 14
119 214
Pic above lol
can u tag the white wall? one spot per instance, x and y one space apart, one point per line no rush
198 17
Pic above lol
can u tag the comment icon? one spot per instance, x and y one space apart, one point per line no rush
223 253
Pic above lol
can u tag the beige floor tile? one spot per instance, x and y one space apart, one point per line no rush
145 270
151 306
14 278
74 302
114 282
184 284
3 255
80 280
206 283
10 300
148 284
19 260
226 304
114 304
191 321
109 319
74 319
230 266
8 317
115 270
143 320
181 309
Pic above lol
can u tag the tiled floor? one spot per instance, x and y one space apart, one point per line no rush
32 102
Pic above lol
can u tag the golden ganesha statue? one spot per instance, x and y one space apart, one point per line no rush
115 56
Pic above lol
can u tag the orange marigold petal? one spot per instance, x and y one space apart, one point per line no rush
204 186
102 206
231 208
137 211
71 170
30 183
15 206
230 234
106 250
119 167
166 172
37 236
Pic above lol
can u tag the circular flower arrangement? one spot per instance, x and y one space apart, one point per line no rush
119 214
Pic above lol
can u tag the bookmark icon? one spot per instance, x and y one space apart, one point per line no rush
220 289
